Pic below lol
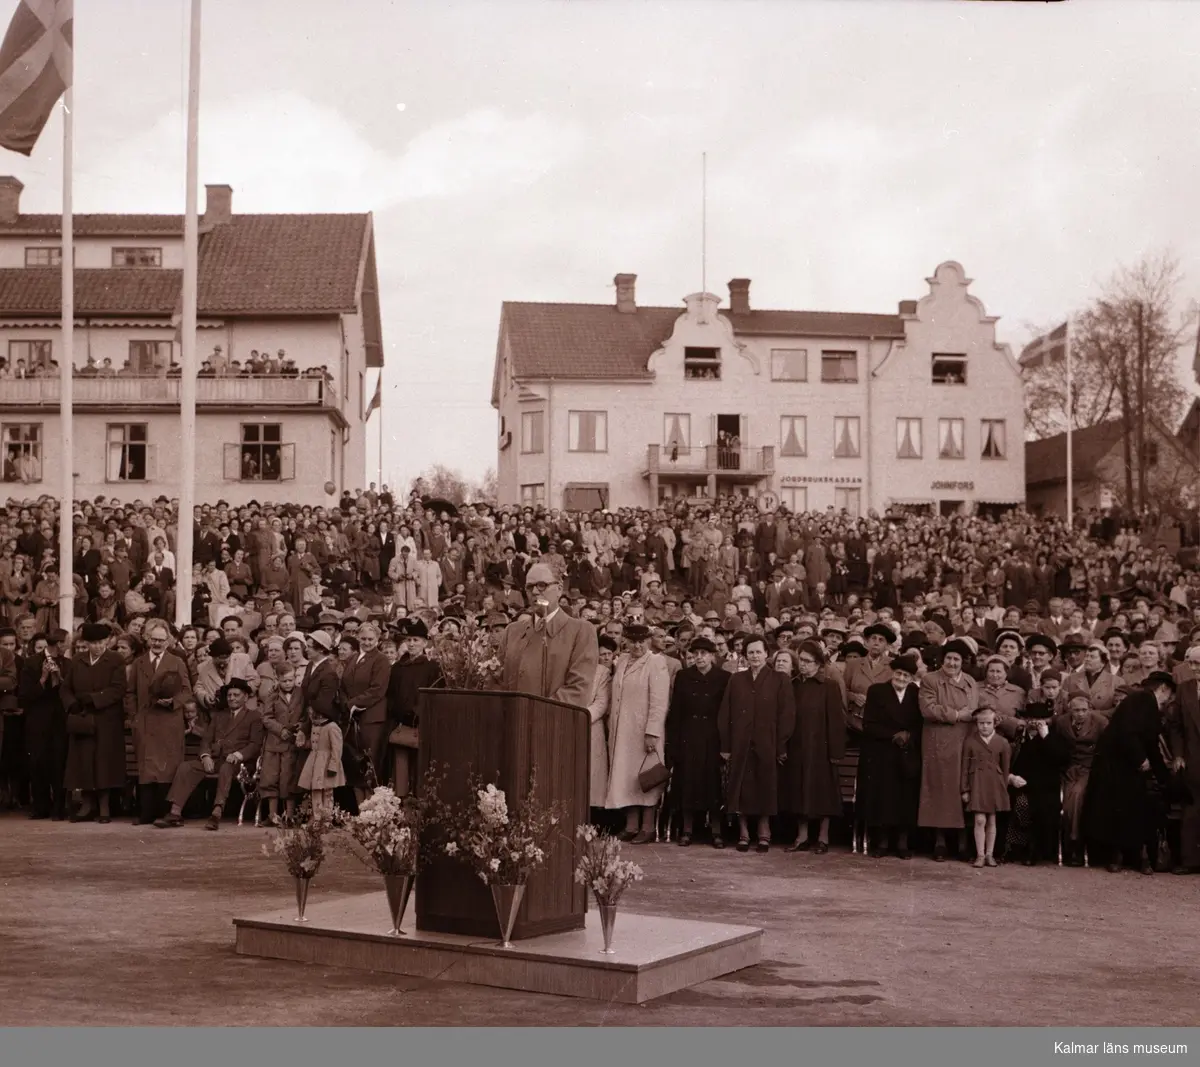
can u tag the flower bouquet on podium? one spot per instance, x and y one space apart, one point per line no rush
602 870
467 659
504 847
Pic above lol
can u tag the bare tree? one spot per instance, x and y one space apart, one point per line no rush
1124 350
442 482
487 489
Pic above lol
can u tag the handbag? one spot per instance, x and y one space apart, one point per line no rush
653 776
81 725
404 737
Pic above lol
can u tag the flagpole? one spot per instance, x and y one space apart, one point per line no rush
187 345
1070 454
66 409
379 386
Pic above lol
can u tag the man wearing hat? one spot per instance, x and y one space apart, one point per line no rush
233 736
874 669
1120 812
93 695
1041 649
365 678
1185 747
161 690
45 727
221 667
551 654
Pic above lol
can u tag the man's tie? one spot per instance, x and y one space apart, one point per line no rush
539 624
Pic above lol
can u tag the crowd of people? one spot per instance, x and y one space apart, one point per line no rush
990 688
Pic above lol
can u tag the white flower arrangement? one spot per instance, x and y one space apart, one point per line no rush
504 847
601 868
300 841
386 833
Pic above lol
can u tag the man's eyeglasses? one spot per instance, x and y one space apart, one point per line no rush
537 587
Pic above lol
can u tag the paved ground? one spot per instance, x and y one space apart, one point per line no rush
123 925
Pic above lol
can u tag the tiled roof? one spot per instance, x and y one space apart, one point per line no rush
282 263
254 264
817 324
584 340
95 225
598 341
1046 460
114 291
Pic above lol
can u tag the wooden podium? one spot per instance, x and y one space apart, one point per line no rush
503 737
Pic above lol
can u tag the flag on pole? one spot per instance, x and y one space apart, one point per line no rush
35 70
1046 350
377 399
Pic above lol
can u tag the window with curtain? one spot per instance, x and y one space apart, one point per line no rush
950 439
794 498
677 435
532 437
22 451
993 433
127 452
793 435
846 437
587 431
908 438
533 493
839 366
848 500
789 364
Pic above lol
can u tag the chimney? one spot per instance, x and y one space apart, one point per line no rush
10 199
625 293
739 296
908 307
218 204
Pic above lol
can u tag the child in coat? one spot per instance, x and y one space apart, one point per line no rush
281 721
322 772
986 759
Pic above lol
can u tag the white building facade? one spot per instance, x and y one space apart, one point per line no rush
303 286
623 406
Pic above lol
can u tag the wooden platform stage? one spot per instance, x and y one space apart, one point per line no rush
653 955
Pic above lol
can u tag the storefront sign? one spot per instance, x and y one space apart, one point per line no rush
969 486
806 479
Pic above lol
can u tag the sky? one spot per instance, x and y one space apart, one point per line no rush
521 150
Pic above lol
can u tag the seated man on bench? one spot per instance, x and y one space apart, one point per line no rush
234 736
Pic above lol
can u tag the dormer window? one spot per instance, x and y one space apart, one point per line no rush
137 257
949 368
702 364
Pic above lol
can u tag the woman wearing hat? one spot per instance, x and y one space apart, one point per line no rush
598 708
636 725
93 694
948 701
890 759
808 781
1120 811
1094 680
693 741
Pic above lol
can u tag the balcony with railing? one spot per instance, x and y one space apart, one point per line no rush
721 460
151 391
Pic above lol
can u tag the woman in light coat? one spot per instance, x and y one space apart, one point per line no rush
598 713
641 689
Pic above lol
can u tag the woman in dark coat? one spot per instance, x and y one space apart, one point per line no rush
45 728
93 694
889 763
693 742
808 781
1119 810
756 720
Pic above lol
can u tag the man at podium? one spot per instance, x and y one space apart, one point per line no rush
552 655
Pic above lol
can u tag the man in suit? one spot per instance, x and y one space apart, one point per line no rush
551 655
411 673
364 691
234 736
161 690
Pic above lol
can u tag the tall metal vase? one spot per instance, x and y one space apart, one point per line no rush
302 885
608 919
507 899
398 888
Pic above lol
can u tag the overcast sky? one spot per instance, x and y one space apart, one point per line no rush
530 151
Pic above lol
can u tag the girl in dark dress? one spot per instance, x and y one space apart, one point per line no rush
986 763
